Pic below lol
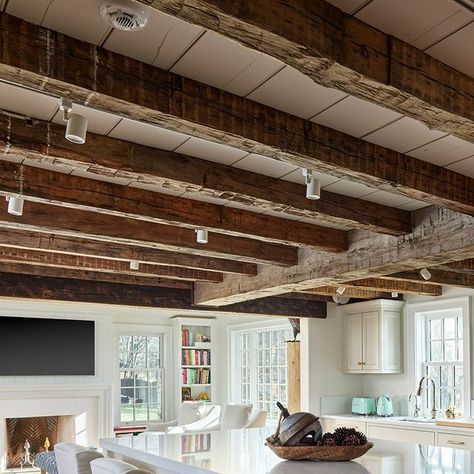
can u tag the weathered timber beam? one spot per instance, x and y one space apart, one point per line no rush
79 262
74 192
339 51
13 285
44 142
90 225
148 94
440 236
40 271
419 287
462 266
438 277
351 292
306 296
93 248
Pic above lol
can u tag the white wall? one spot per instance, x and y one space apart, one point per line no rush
321 362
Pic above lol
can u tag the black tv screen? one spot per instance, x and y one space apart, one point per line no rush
33 346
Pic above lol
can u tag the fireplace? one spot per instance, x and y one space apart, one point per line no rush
41 434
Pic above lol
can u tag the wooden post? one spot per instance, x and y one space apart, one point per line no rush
293 384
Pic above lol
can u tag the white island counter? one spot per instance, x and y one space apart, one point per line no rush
244 452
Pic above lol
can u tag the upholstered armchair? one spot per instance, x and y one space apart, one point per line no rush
74 459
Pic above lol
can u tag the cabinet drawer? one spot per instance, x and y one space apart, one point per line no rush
399 434
359 426
457 441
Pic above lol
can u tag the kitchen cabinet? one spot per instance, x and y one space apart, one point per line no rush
372 337
400 434
454 440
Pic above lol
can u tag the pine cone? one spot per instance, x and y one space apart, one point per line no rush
340 434
329 442
351 440
362 438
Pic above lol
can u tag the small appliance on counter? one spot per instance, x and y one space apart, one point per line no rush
384 405
363 406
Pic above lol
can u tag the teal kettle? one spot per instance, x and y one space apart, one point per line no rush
384 405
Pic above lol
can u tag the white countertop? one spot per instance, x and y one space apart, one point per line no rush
244 452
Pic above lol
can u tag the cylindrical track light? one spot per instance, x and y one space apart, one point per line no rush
341 290
394 294
313 185
15 205
202 236
425 273
76 129
134 264
340 299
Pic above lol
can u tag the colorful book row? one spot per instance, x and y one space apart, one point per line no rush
195 357
196 376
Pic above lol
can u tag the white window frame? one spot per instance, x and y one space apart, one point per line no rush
167 373
416 339
234 379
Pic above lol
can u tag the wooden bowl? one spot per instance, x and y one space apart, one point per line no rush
319 453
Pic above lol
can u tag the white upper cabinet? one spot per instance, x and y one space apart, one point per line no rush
372 337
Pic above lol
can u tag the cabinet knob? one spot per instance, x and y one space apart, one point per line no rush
459 443
360 363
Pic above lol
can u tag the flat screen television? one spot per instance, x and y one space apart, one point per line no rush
34 346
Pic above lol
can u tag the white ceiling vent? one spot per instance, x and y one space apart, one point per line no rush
124 15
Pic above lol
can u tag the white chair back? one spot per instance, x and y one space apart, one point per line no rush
74 459
257 419
112 466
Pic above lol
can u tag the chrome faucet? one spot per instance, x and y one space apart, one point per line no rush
420 391
416 409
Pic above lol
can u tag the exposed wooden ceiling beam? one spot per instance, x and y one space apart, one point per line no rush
462 266
78 262
59 65
40 271
337 50
418 287
180 299
440 236
90 225
351 292
114 251
45 142
438 277
65 190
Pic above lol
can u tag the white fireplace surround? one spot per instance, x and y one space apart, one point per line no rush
86 411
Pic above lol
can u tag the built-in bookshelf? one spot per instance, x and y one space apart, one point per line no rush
194 336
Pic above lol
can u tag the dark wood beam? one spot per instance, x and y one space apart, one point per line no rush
418 287
351 292
438 277
45 142
79 262
339 51
114 251
64 273
59 65
69 191
90 225
462 266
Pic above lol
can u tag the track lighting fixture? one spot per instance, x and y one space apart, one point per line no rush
425 273
340 291
134 264
76 128
394 294
340 299
202 236
313 185
15 205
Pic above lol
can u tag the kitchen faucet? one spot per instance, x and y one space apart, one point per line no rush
416 411
420 391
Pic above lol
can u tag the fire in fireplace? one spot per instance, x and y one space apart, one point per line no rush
35 431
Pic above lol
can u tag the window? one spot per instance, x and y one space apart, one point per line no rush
141 378
260 363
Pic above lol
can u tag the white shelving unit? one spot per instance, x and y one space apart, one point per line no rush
194 358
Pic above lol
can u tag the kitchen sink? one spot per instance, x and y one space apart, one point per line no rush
418 420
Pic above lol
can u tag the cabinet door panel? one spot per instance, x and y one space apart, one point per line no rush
371 341
392 359
354 342
399 434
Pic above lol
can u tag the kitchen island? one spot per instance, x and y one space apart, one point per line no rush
244 452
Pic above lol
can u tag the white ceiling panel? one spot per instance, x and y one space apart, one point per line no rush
59 168
457 50
100 177
349 6
155 188
404 135
444 151
465 167
77 19
264 165
215 60
211 151
349 188
147 135
255 74
161 42
413 205
296 94
32 11
297 177
387 199
407 19
355 116
26 102
99 122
